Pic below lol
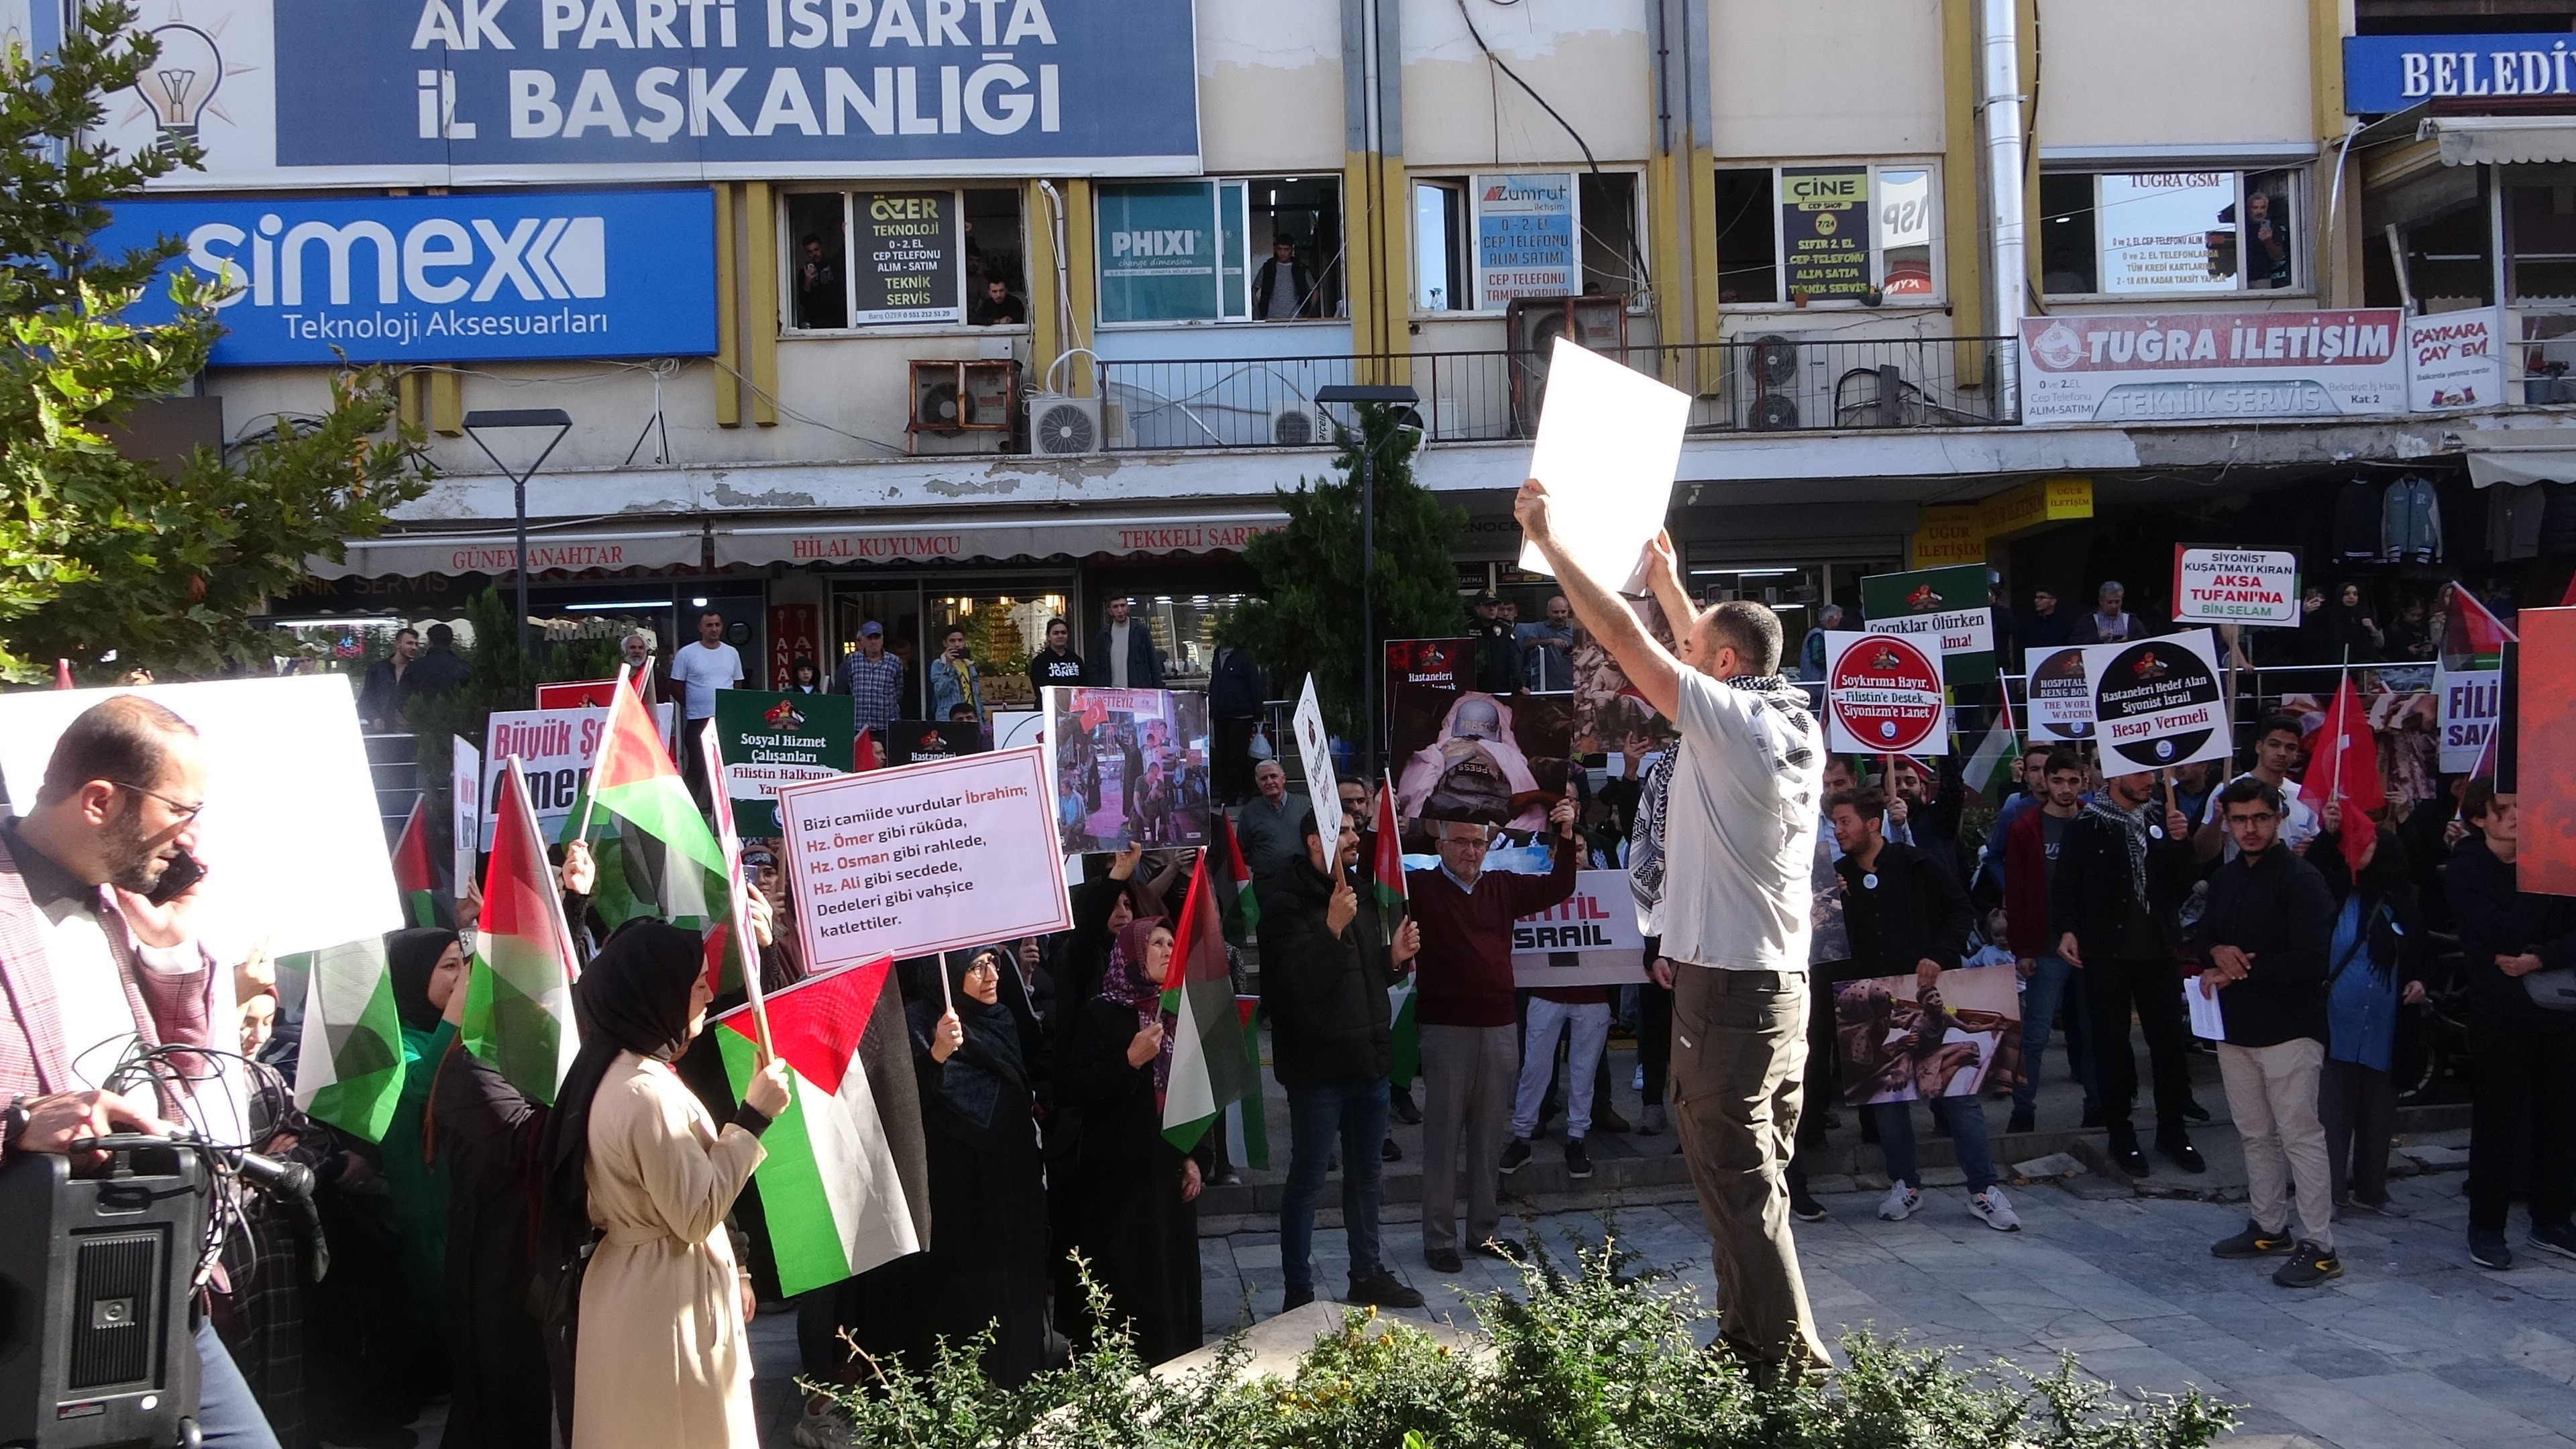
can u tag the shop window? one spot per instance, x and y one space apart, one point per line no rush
1482 241
1001 632
2169 233
2449 258
905 257
1264 248
1846 232
2540 233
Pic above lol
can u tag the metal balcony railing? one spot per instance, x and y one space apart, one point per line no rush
1783 383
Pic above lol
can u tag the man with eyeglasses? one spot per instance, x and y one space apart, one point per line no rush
92 966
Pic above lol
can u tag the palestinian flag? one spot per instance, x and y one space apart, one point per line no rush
1386 862
518 993
1211 1069
2472 636
349 1071
1245 914
414 877
1247 1133
656 855
829 1185
1998 754
1407 1063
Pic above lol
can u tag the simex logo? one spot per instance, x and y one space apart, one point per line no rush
438 260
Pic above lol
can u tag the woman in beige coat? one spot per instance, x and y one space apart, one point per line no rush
660 1358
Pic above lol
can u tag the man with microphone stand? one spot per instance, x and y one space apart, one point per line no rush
98 955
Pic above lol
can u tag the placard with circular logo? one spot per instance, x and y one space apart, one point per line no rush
1883 695
2157 702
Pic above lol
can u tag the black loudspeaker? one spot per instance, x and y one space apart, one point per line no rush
96 1344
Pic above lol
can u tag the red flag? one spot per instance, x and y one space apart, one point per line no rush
413 876
2471 629
63 674
863 751
2343 764
2568 600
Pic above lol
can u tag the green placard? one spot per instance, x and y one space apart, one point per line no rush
1949 606
768 740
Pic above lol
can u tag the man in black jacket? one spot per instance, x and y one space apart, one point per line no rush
1324 979
2525 1053
1498 646
2122 873
1122 653
1907 916
2262 940
1234 705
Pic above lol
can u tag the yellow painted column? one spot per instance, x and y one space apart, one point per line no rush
760 314
447 402
1963 226
410 386
1046 303
1359 254
728 372
2339 230
1083 278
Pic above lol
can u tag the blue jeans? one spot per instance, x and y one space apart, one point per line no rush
2052 983
1356 1113
1967 1119
227 1415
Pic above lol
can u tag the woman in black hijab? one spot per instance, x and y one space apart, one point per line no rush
972 1047
662 1358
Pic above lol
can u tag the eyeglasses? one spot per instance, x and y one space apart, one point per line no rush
184 812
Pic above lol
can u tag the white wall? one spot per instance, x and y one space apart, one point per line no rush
1589 58
1829 77
1270 85
2177 72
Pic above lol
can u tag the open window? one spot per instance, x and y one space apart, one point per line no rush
1830 232
1482 241
2171 233
1235 249
904 256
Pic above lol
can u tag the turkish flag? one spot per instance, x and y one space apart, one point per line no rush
2343 764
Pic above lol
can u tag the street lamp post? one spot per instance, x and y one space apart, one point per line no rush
1372 664
554 423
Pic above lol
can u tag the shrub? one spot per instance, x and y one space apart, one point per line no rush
1598 1358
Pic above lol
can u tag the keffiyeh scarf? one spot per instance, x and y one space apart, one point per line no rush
2132 826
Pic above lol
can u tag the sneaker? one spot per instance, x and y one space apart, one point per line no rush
2256 1241
1295 1298
824 1427
1399 1105
1443 1260
1515 1154
1995 1209
2024 1119
1900 1203
1806 1209
2309 1266
1578 1160
1383 1289
1655 1124
1390 1152
2487 1249
2559 1238
1637 1080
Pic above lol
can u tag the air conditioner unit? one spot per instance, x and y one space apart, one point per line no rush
1532 324
1065 427
1790 383
1294 428
961 406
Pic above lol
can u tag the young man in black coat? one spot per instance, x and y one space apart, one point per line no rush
1325 970
2122 873
2525 1053
2263 940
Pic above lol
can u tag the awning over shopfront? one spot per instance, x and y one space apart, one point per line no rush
2501 140
2518 466
952 538
409 555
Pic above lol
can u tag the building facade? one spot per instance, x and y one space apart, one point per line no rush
920 311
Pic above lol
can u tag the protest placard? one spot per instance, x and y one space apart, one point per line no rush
575 694
1487 759
2236 586
1609 440
1894 1050
770 741
911 741
919 859
2060 703
291 836
555 749
1883 695
1315 755
465 807
2544 738
1588 939
1129 765
2157 702
1014 729
1947 607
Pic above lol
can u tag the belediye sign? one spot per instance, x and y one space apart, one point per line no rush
2171 366
2236 586
2384 73
440 278
470 92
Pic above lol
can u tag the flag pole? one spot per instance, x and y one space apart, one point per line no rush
590 790
2334 718
729 845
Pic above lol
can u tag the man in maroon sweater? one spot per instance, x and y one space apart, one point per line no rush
1469 1020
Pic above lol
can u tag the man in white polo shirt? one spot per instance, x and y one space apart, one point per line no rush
700 670
1739 830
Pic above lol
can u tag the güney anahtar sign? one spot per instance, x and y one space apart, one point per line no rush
2182 366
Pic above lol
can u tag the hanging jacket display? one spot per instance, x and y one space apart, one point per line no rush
2558 524
2410 522
2514 514
2356 522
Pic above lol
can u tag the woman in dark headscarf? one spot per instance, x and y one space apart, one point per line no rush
1132 1191
662 1358
427 967
988 1243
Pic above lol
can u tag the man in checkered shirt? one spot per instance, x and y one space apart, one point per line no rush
873 679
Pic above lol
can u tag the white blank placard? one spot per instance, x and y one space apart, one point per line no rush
1609 440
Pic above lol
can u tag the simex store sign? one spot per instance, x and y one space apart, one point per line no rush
442 278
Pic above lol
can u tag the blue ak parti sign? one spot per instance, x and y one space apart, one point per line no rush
530 274
2383 73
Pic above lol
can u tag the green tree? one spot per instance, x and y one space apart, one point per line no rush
100 553
1306 617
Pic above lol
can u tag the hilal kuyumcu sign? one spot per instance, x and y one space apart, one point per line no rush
440 278
460 92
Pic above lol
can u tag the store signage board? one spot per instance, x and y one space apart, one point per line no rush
2455 360
2236 586
2383 73
2180 366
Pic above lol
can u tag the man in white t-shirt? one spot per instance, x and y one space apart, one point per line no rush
2277 739
1739 824
700 670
